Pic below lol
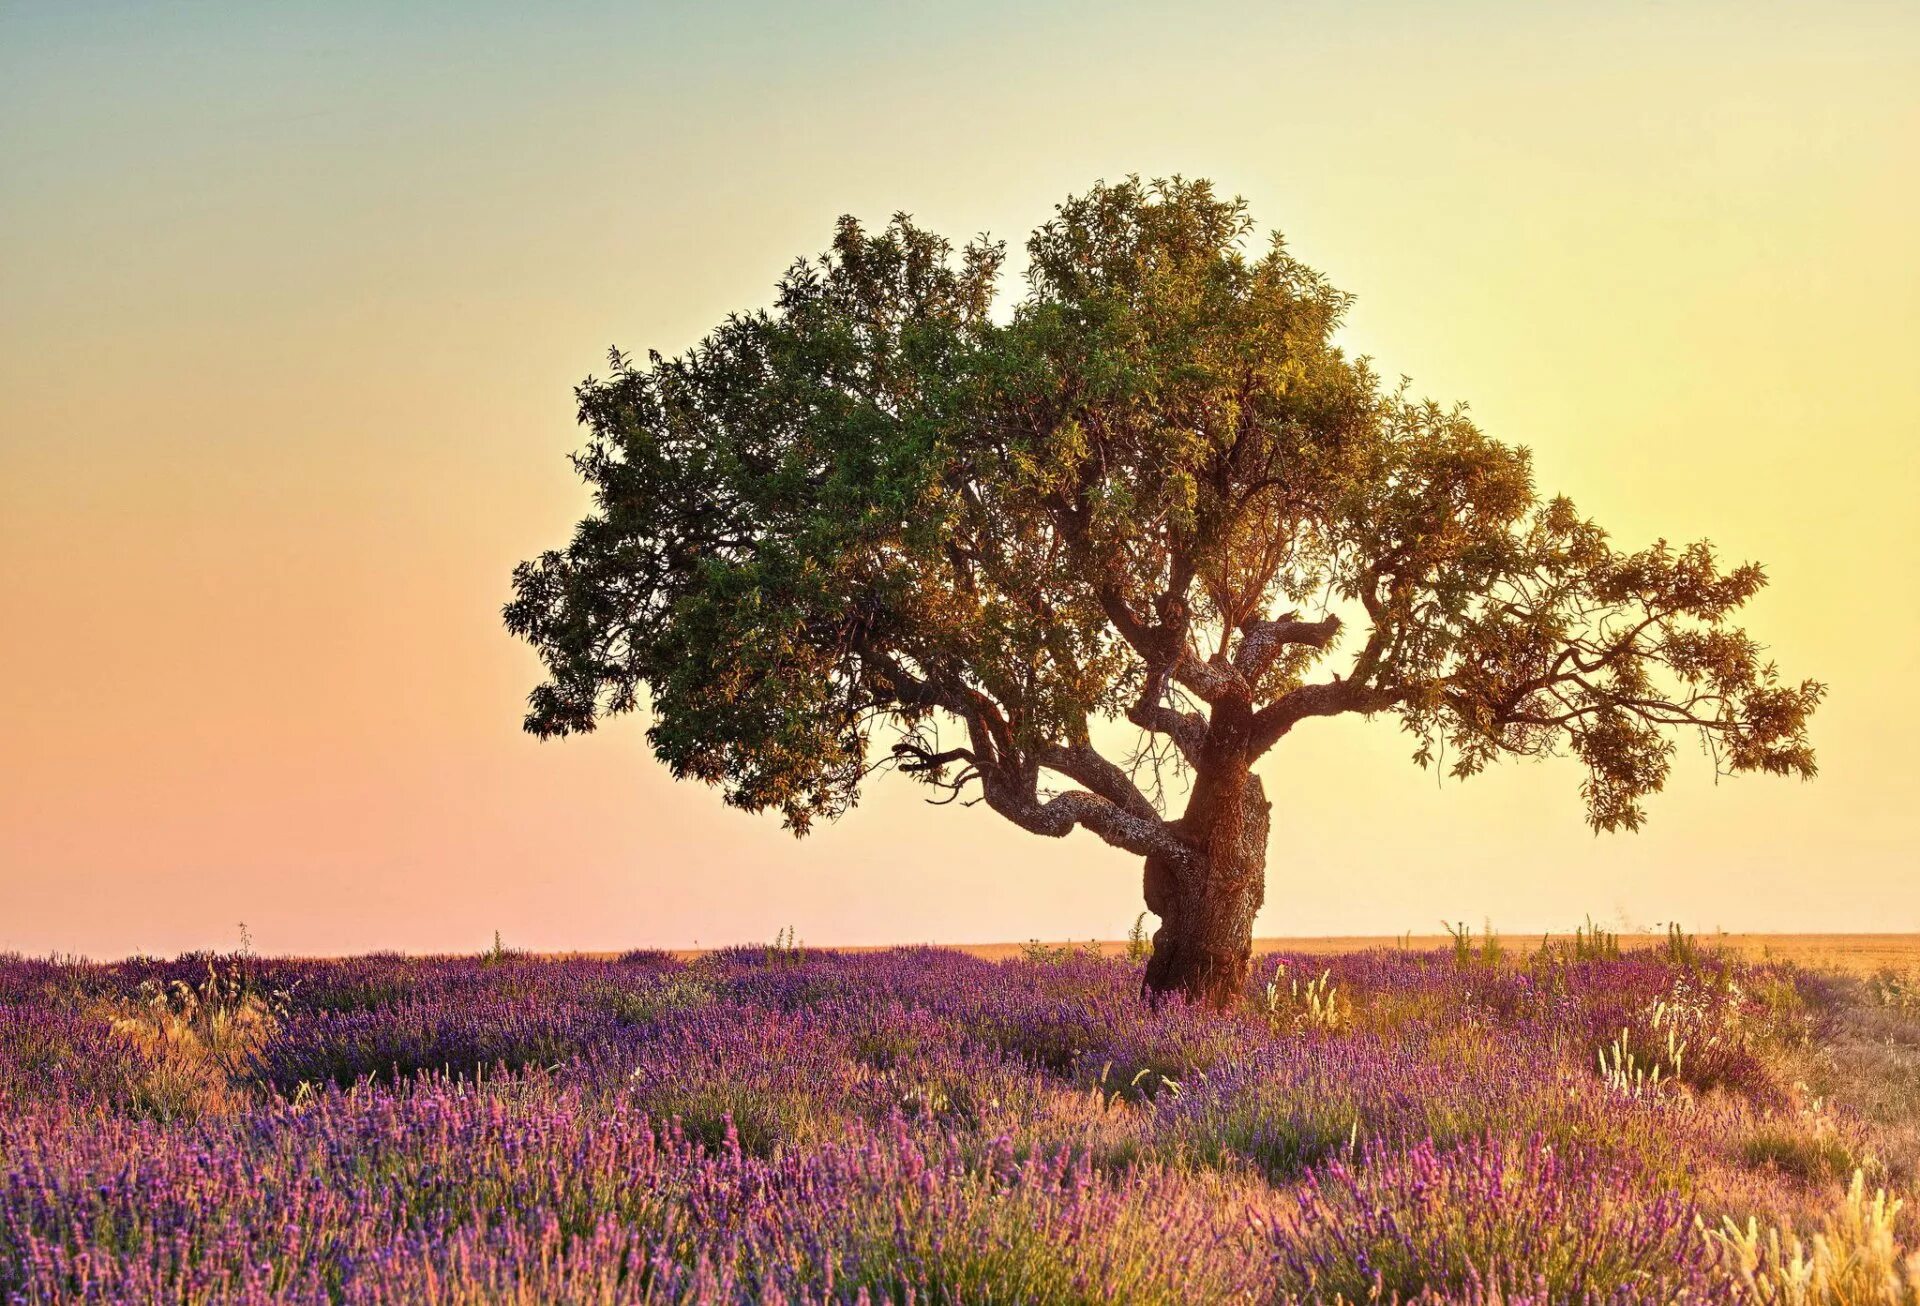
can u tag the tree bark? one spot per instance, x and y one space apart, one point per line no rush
1203 949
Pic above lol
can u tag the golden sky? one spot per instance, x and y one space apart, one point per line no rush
291 304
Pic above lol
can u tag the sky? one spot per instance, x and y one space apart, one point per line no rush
293 299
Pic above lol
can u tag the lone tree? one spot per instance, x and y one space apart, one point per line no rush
1154 504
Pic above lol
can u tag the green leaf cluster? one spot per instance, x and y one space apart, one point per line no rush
879 510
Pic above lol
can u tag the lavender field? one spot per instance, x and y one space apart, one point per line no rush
786 1125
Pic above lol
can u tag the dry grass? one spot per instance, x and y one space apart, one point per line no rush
1856 1258
1864 1056
194 1041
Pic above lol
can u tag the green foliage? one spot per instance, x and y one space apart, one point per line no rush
1593 942
1682 949
1139 940
1491 950
1897 990
1466 953
1057 954
1143 1085
1281 1139
762 1120
1815 1158
676 991
786 949
1783 1015
873 506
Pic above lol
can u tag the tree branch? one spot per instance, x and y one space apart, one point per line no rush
1262 641
1105 779
1188 730
1017 798
1330 698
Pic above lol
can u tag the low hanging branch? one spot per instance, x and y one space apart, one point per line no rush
1157 494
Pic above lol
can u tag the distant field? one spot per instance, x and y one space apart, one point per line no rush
1858 953
1861 954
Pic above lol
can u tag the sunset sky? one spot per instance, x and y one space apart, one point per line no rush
292 300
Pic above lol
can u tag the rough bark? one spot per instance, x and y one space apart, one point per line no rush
1203 949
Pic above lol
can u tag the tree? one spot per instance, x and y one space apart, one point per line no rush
1154 500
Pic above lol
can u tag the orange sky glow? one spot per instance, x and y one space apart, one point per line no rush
292 306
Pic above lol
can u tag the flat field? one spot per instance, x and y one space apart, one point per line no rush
1860 954
1683 1121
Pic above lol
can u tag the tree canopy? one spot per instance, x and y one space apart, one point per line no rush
880 523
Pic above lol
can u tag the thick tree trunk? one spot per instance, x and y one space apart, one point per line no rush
1203 949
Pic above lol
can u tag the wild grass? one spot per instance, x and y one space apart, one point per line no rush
1315 1004
1856 1258
193 1041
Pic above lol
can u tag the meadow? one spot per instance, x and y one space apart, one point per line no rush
1478 1123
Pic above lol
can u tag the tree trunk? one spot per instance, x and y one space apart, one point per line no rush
1203 949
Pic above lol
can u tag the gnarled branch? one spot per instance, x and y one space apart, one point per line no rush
1262 641
1328 698
1104 778
1017 798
